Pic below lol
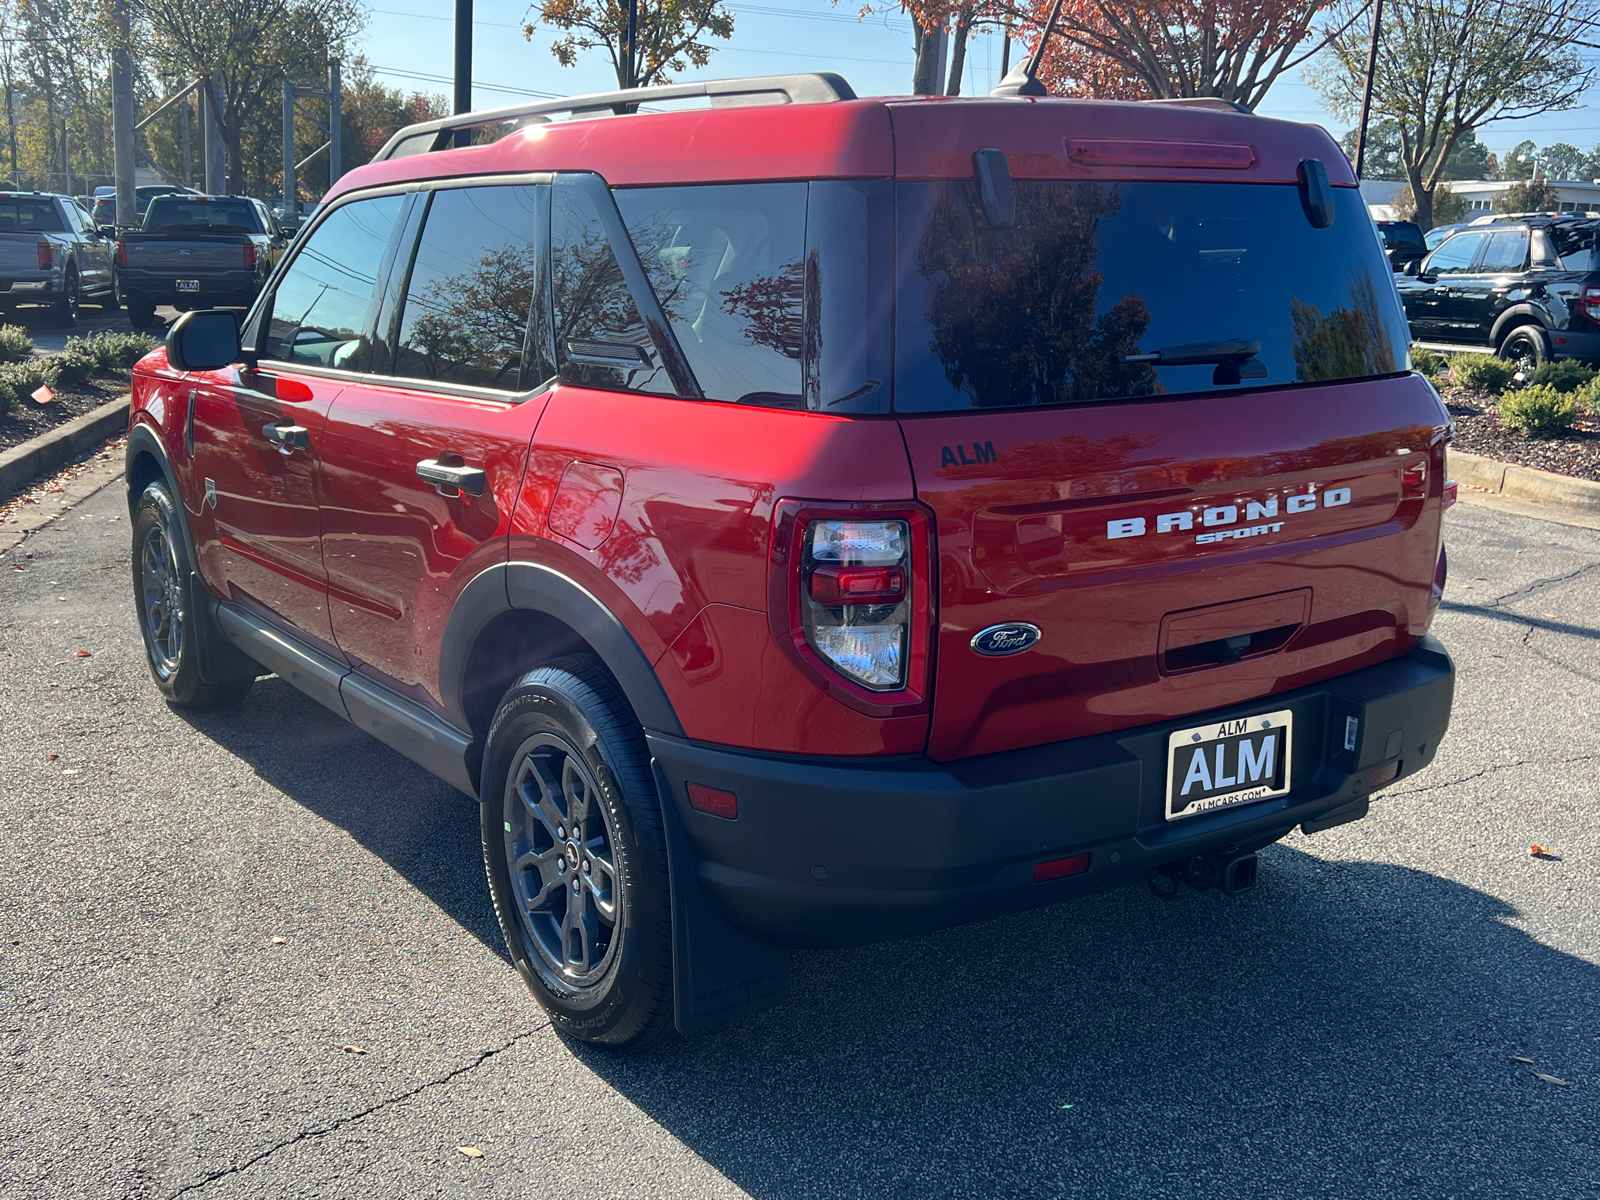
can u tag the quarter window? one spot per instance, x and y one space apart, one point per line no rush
319 311
1507 251
471 286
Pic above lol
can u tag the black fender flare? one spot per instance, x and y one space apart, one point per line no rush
1517 315
142 439
506 587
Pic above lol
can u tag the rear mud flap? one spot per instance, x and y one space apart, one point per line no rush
718 973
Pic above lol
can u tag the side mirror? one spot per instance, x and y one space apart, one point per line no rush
204 340
1413 267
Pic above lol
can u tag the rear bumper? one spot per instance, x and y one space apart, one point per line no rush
1574 343
837 852
232 288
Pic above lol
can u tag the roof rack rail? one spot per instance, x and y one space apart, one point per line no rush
818 88
1207 102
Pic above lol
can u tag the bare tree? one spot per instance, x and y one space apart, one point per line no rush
1447 67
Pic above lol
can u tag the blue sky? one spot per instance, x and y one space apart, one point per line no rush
410 42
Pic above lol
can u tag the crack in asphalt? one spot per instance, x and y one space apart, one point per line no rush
1494 769
1530 588
308 1134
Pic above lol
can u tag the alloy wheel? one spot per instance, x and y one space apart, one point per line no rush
164 616
560 847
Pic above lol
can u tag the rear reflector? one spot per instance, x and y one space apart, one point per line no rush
1060 868
835 586
1106 152
713 801
1384 774
1449 493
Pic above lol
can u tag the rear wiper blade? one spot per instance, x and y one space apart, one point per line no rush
1196 353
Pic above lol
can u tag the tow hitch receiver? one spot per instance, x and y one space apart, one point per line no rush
1225 869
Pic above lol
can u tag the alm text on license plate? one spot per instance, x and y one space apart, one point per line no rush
188 285
1227 763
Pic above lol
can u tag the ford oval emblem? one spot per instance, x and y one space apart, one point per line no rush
1011 638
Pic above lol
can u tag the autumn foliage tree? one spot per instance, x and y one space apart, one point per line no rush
1166 49
672 34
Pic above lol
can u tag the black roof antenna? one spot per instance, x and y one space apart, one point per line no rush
1023 79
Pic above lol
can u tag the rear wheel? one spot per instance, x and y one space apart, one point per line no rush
576 854
170 620
112 300
141 312
1524 348
64 312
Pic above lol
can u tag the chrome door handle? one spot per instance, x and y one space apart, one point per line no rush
288 438
452 481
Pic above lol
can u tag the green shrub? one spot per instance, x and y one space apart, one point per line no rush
1484 372
15 344
1564 376
1539 409
76 364
24 378
1434 366
119 350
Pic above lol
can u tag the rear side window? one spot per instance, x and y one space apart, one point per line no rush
173 214
601 341
319 311
1506 250
471 286
727 266
1078 298
29 216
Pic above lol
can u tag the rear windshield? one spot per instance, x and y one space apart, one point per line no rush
174 214
29 216
1402 235
1070 303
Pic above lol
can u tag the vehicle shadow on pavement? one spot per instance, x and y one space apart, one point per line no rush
1346 1029
419 825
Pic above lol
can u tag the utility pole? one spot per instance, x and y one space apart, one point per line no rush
630 62
1005 49
122 162
335 120
188 161
212 151
290 207
1366 89
463 66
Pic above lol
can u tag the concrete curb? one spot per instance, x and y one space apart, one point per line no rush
1524 484
49 452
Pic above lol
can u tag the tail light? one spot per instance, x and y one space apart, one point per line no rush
1590 303
850 600
47 256
249 256
120 255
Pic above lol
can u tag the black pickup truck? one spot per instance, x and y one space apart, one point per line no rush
197 252
1526 288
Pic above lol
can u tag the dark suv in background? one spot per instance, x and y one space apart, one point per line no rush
1402 242
1525 288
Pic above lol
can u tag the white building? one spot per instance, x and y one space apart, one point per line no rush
1480 195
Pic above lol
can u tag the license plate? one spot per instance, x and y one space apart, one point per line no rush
1228 763
188 285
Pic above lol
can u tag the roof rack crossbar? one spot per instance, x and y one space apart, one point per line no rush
817 88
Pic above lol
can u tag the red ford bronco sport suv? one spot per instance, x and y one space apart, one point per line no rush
804 520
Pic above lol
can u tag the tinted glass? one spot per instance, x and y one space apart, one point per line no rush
29 216
1575 247
1062 305
319 310
472 281
1456 255
850 282
601 341
1401 235
172 214
1507 250
727 266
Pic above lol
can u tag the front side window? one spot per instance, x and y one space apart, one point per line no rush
471 286
319 310
1455 256
727 266
1092 284
1506 251
600 339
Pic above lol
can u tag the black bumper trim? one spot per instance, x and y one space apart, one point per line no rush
837 852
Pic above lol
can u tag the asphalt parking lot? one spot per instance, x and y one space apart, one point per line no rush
1347 1029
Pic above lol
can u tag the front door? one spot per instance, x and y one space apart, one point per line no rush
422 469
1433 311
258 432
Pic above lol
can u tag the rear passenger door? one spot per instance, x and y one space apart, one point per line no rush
423 456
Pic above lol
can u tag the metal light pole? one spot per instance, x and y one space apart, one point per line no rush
122 118
463 66
1366 89
631 59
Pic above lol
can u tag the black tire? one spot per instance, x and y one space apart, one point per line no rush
171 621
1525 348
112 300
141 312
565 744
64 312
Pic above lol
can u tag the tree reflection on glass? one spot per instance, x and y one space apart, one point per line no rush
468 327
1348 343
1012 310
772 308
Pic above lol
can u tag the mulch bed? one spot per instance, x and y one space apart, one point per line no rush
28 418
1574 452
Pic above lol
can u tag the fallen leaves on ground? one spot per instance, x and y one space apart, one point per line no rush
83 654
279 941
354 1049
1540 1075
469 1151
1517 1058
